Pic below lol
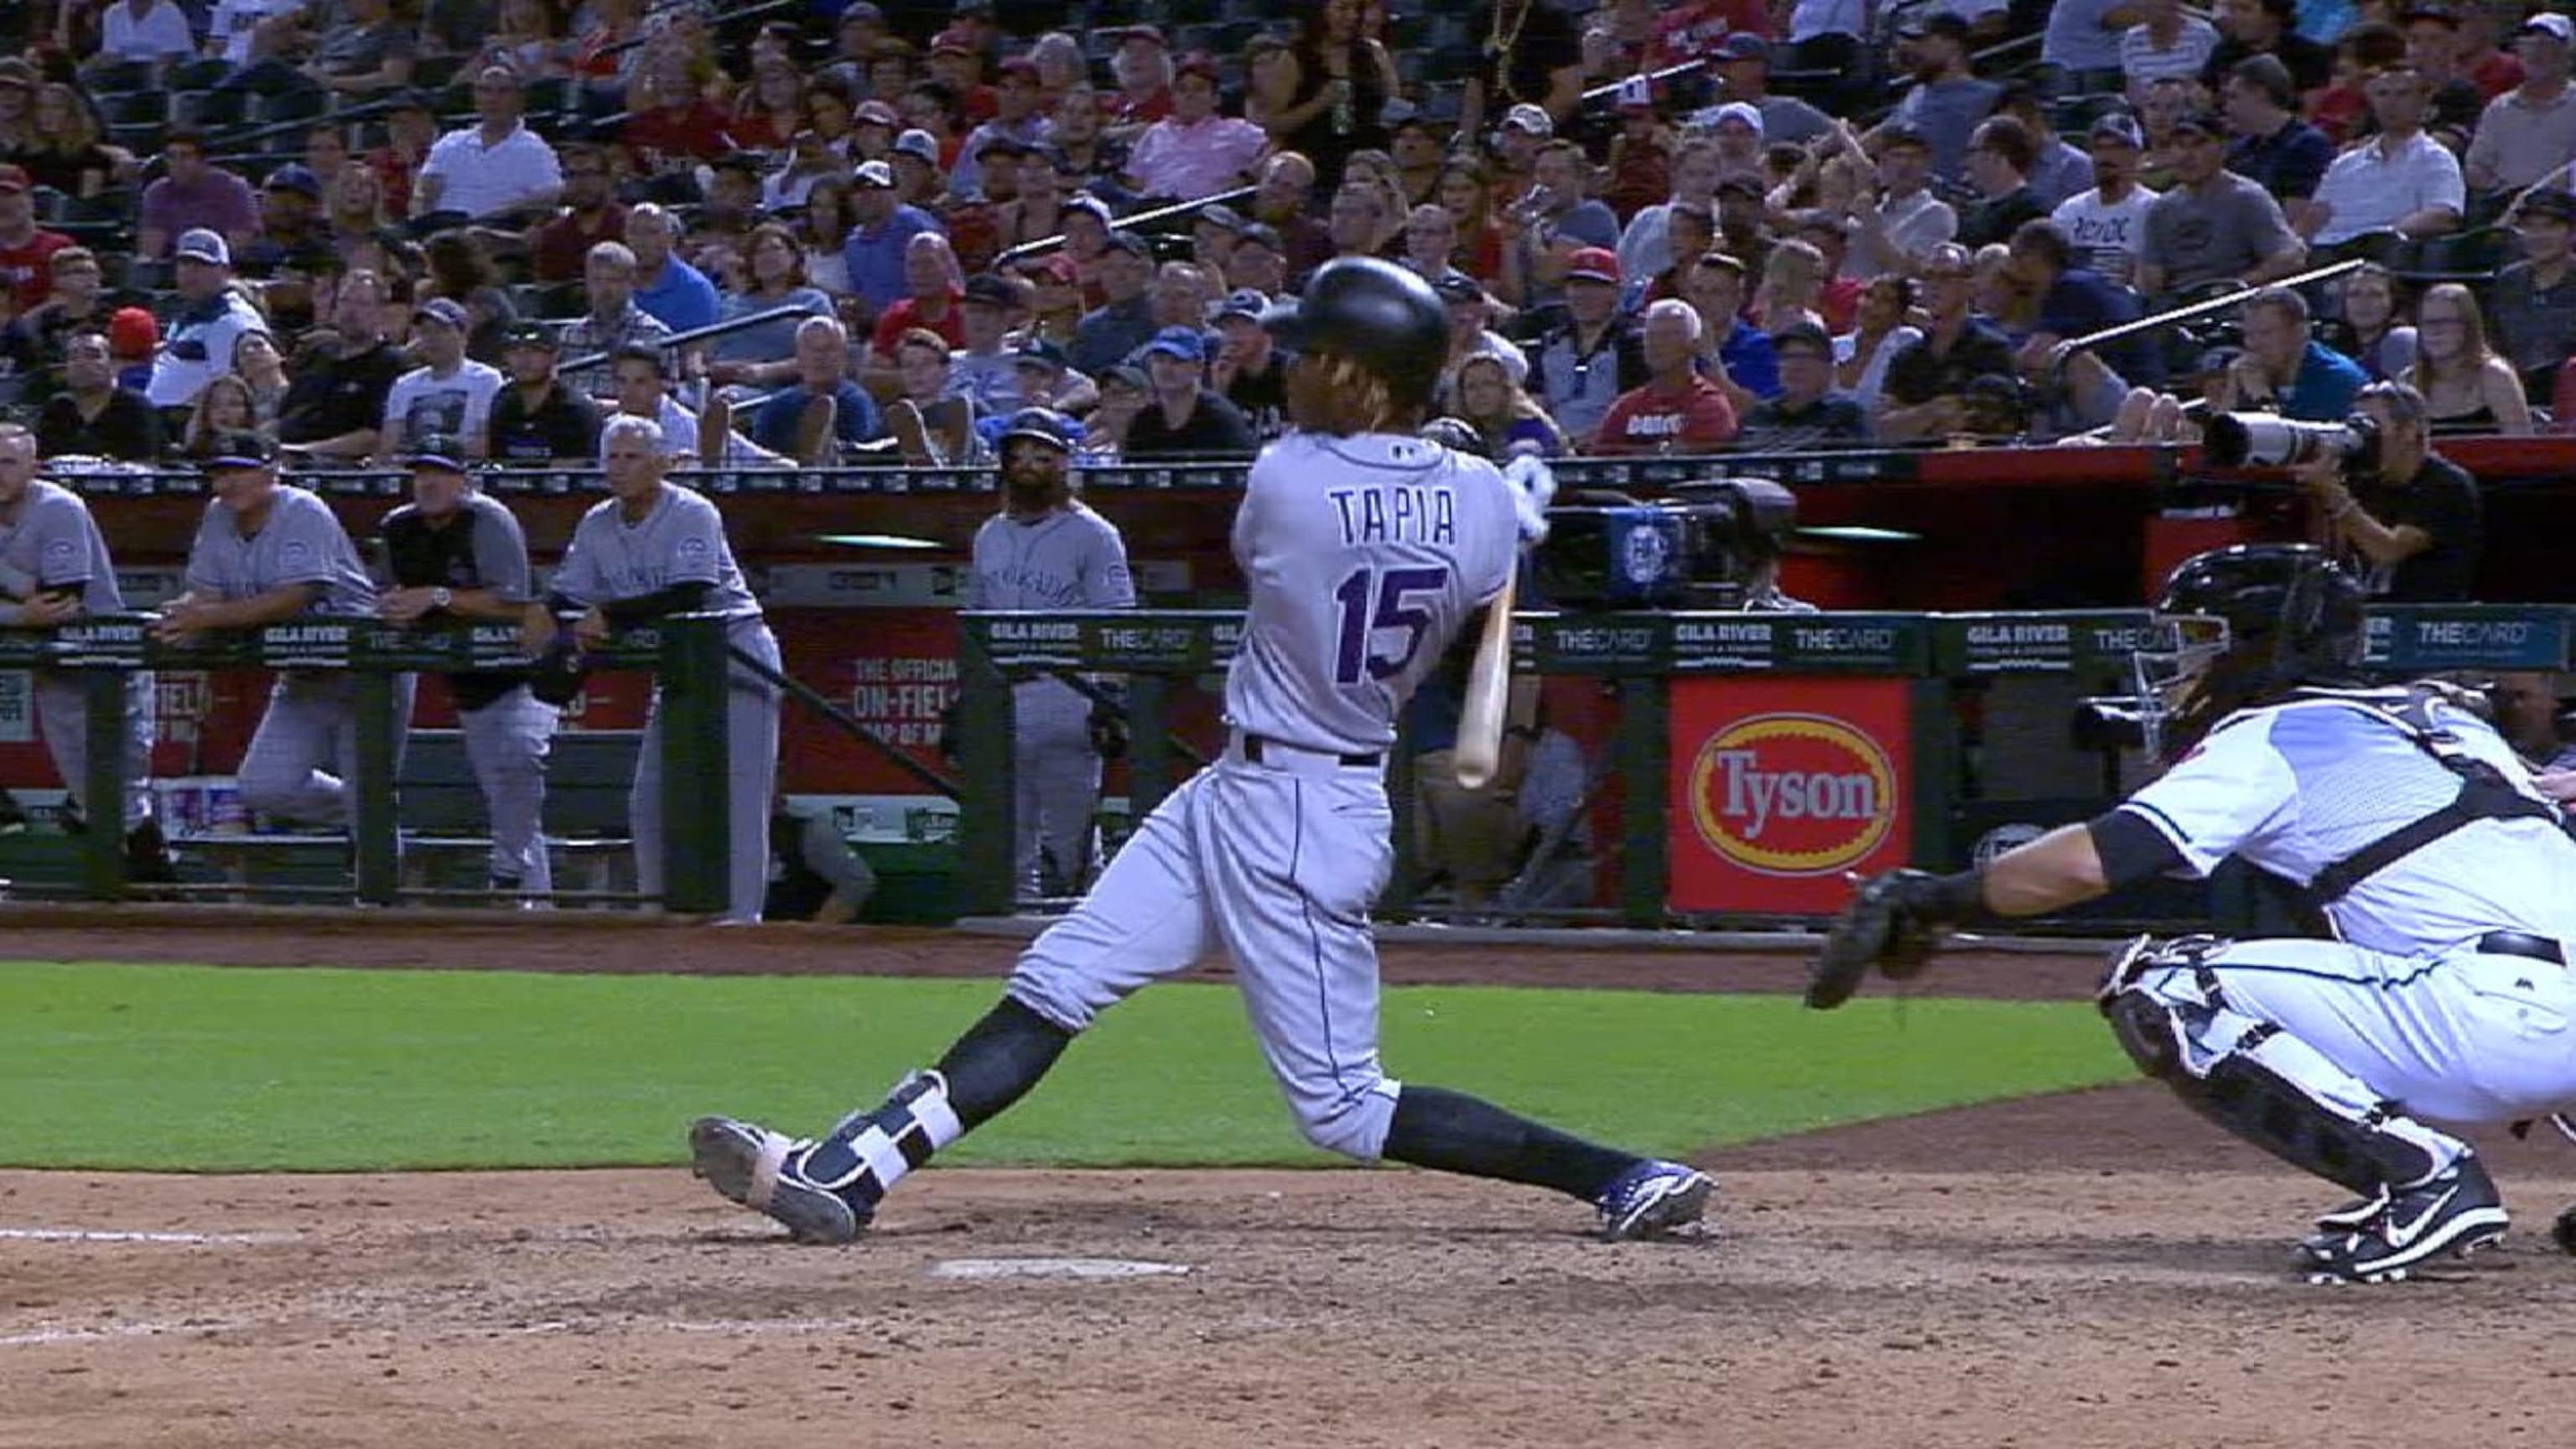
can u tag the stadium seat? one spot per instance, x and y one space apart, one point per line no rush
197 75
2468 256
118 76
135 109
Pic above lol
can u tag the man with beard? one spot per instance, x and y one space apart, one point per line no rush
2106 223
335 407
1047 550
590 216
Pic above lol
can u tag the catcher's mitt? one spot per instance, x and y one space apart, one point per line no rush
1892 923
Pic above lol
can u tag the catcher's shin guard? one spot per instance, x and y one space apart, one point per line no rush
2276 1092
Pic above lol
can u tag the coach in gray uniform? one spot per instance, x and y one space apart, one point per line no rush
54 569
455 553
266 553
653 550
1046 550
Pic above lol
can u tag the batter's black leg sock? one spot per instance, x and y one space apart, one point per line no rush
1453 1132
998 1059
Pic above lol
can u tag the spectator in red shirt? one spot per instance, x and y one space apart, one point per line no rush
934 285
24 246
194 192
669 125
1694 29
1677 410
411 128
958 65
590 216
1143 66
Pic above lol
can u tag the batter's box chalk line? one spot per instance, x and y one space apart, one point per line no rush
45 1337
102 1235
985 1268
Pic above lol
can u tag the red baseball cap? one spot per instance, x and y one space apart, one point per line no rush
953 39
877 113
14 178
1153 33
1593 264
1198 63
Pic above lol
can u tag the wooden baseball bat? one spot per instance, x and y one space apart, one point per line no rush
1489 687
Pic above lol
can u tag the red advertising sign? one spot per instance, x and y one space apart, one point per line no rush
1780 785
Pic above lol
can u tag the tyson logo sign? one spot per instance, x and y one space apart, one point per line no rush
1792 794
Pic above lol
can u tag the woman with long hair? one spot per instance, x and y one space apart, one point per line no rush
821 231
764 356
1328 98
461 271
2372 330
1485 397
262 369
224 405
771 108
2466 386
1055 298
65 151
1468 196
1037 212
1880 332
1792 287
354 212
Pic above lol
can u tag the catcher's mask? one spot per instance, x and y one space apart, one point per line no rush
2236 626
2168 671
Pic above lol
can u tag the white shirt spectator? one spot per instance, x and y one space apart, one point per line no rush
1913 226
199 348
234 23
1809 19
2106 234
481 180
1873 371
1186 162
456 406
2143 61
680 440
159 33
2372 186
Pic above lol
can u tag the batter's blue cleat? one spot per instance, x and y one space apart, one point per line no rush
763 1171
1653 1199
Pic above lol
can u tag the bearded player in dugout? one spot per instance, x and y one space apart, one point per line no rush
1368 551
2444 874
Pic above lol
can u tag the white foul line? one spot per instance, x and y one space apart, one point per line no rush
98 1235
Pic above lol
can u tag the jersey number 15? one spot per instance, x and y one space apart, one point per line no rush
1371 602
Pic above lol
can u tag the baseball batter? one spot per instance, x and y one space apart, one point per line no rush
652 550
54 568
456 553
1047 550
268 552
1367 551
2446 881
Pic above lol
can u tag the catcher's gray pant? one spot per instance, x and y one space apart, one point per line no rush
507 742
62 712
311 723
1055 781
1278 863
751 774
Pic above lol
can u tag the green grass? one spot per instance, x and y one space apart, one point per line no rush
177 1067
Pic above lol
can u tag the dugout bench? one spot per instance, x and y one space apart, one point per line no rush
1752 760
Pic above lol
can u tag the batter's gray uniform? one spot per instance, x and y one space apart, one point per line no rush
508 731
1070 558
1365 555
682 542
52 544
311 721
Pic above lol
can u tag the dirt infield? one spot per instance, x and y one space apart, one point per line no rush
2096 1268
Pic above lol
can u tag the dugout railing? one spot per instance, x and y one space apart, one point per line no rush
1748 761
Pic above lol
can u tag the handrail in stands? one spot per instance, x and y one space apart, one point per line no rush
2156 322
702 334
1046 244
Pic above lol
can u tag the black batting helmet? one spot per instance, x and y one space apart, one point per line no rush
1043 425
1374 313
2239 625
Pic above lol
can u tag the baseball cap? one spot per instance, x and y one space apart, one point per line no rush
877 113
956 42
1243 302
231 451
2552 24
13 178
1802 334
1057 265
1903 133
295 177
1127 375
1044 425
133 332
443 309
2432 10
1740 184
1744 45
1133 245
2200 120
1153 33
1593 264
2554 204
991 291
1185 343
875 175
1198 63
1219 214
197 244
2121 127
17 70
1636 94
1529 118
1939 22
1743 112
435 451
1457 286
1260 234
919 145
1040 352
1017 65
999 143
530 333
1089 205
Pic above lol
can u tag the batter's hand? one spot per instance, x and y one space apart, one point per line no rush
1889 925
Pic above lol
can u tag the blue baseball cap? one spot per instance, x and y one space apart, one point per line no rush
439 453
235 451
1185 343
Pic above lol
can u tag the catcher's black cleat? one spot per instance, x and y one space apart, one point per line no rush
2451 1214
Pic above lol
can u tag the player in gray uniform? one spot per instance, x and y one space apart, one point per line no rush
1368 551
54 568
655 549
1047 550
2444 879
266 553
456 553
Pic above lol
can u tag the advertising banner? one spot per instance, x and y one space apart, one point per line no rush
1781 785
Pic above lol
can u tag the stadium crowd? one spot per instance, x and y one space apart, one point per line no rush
346 223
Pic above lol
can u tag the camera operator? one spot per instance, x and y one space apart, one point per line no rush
2408 526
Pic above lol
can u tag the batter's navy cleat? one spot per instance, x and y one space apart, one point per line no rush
1652 1199
763 1171
2452 1214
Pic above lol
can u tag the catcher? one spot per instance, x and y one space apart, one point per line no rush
2448 882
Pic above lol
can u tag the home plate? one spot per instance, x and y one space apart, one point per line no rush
1054 1268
